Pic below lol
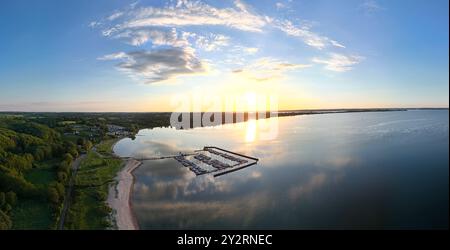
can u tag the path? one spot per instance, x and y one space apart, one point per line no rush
75 167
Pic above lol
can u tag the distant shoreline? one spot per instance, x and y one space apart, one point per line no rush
120 195
166 112
333 111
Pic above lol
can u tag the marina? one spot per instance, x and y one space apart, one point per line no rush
209 160
303 179
215 161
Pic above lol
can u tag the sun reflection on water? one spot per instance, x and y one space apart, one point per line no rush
250 134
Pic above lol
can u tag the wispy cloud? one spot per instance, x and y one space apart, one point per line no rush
267 68
134 4
188 13
280 5
336 44
158 65
306 35
212 42
114 56
194 13
94 24
115 16
250 50
241 6
338 62
370 6
157 36
173 29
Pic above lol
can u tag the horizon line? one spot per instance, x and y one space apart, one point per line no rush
285 110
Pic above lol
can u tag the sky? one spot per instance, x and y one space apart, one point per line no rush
144 56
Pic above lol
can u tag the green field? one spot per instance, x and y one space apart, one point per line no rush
106 147
42 174
89 209
67 123
36 152
10 116
32 214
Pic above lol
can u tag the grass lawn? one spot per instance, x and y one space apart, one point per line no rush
106 147
35 214
96 170
32 214
67 122
43 174
72 138
87 212
89 209
40 176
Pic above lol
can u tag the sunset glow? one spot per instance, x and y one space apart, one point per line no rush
138 55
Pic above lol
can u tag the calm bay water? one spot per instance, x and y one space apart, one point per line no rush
352 170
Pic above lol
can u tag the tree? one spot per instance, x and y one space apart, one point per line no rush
11 198
71 148
103 210
39 154
62 177
57 150
60 188
81 141
20 163
73 152
64 167
2 199
53 195
47 151
88 145
134 128
68 158
7 208
14 181
5 221
100 196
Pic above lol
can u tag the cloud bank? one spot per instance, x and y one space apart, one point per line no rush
338 63
265 69
175 40
158 65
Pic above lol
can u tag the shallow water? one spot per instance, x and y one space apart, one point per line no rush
351 170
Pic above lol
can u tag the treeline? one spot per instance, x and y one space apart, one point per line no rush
132 121
23 145
29 141
7 201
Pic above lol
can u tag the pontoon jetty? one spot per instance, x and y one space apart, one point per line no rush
210 160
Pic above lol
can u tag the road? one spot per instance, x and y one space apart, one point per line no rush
75 167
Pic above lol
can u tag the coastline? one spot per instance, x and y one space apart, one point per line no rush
120 194
119 197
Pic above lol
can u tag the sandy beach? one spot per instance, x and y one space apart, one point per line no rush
119 197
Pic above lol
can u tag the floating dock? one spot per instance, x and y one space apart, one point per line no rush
209 160
215 161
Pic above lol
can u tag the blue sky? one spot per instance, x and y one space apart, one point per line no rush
120 55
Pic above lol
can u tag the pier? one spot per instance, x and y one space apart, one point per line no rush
218 161
245 156
209 160
153 158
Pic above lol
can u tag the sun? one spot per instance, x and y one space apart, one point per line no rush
251 100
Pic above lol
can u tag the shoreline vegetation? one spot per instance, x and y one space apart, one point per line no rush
37 151
88 208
